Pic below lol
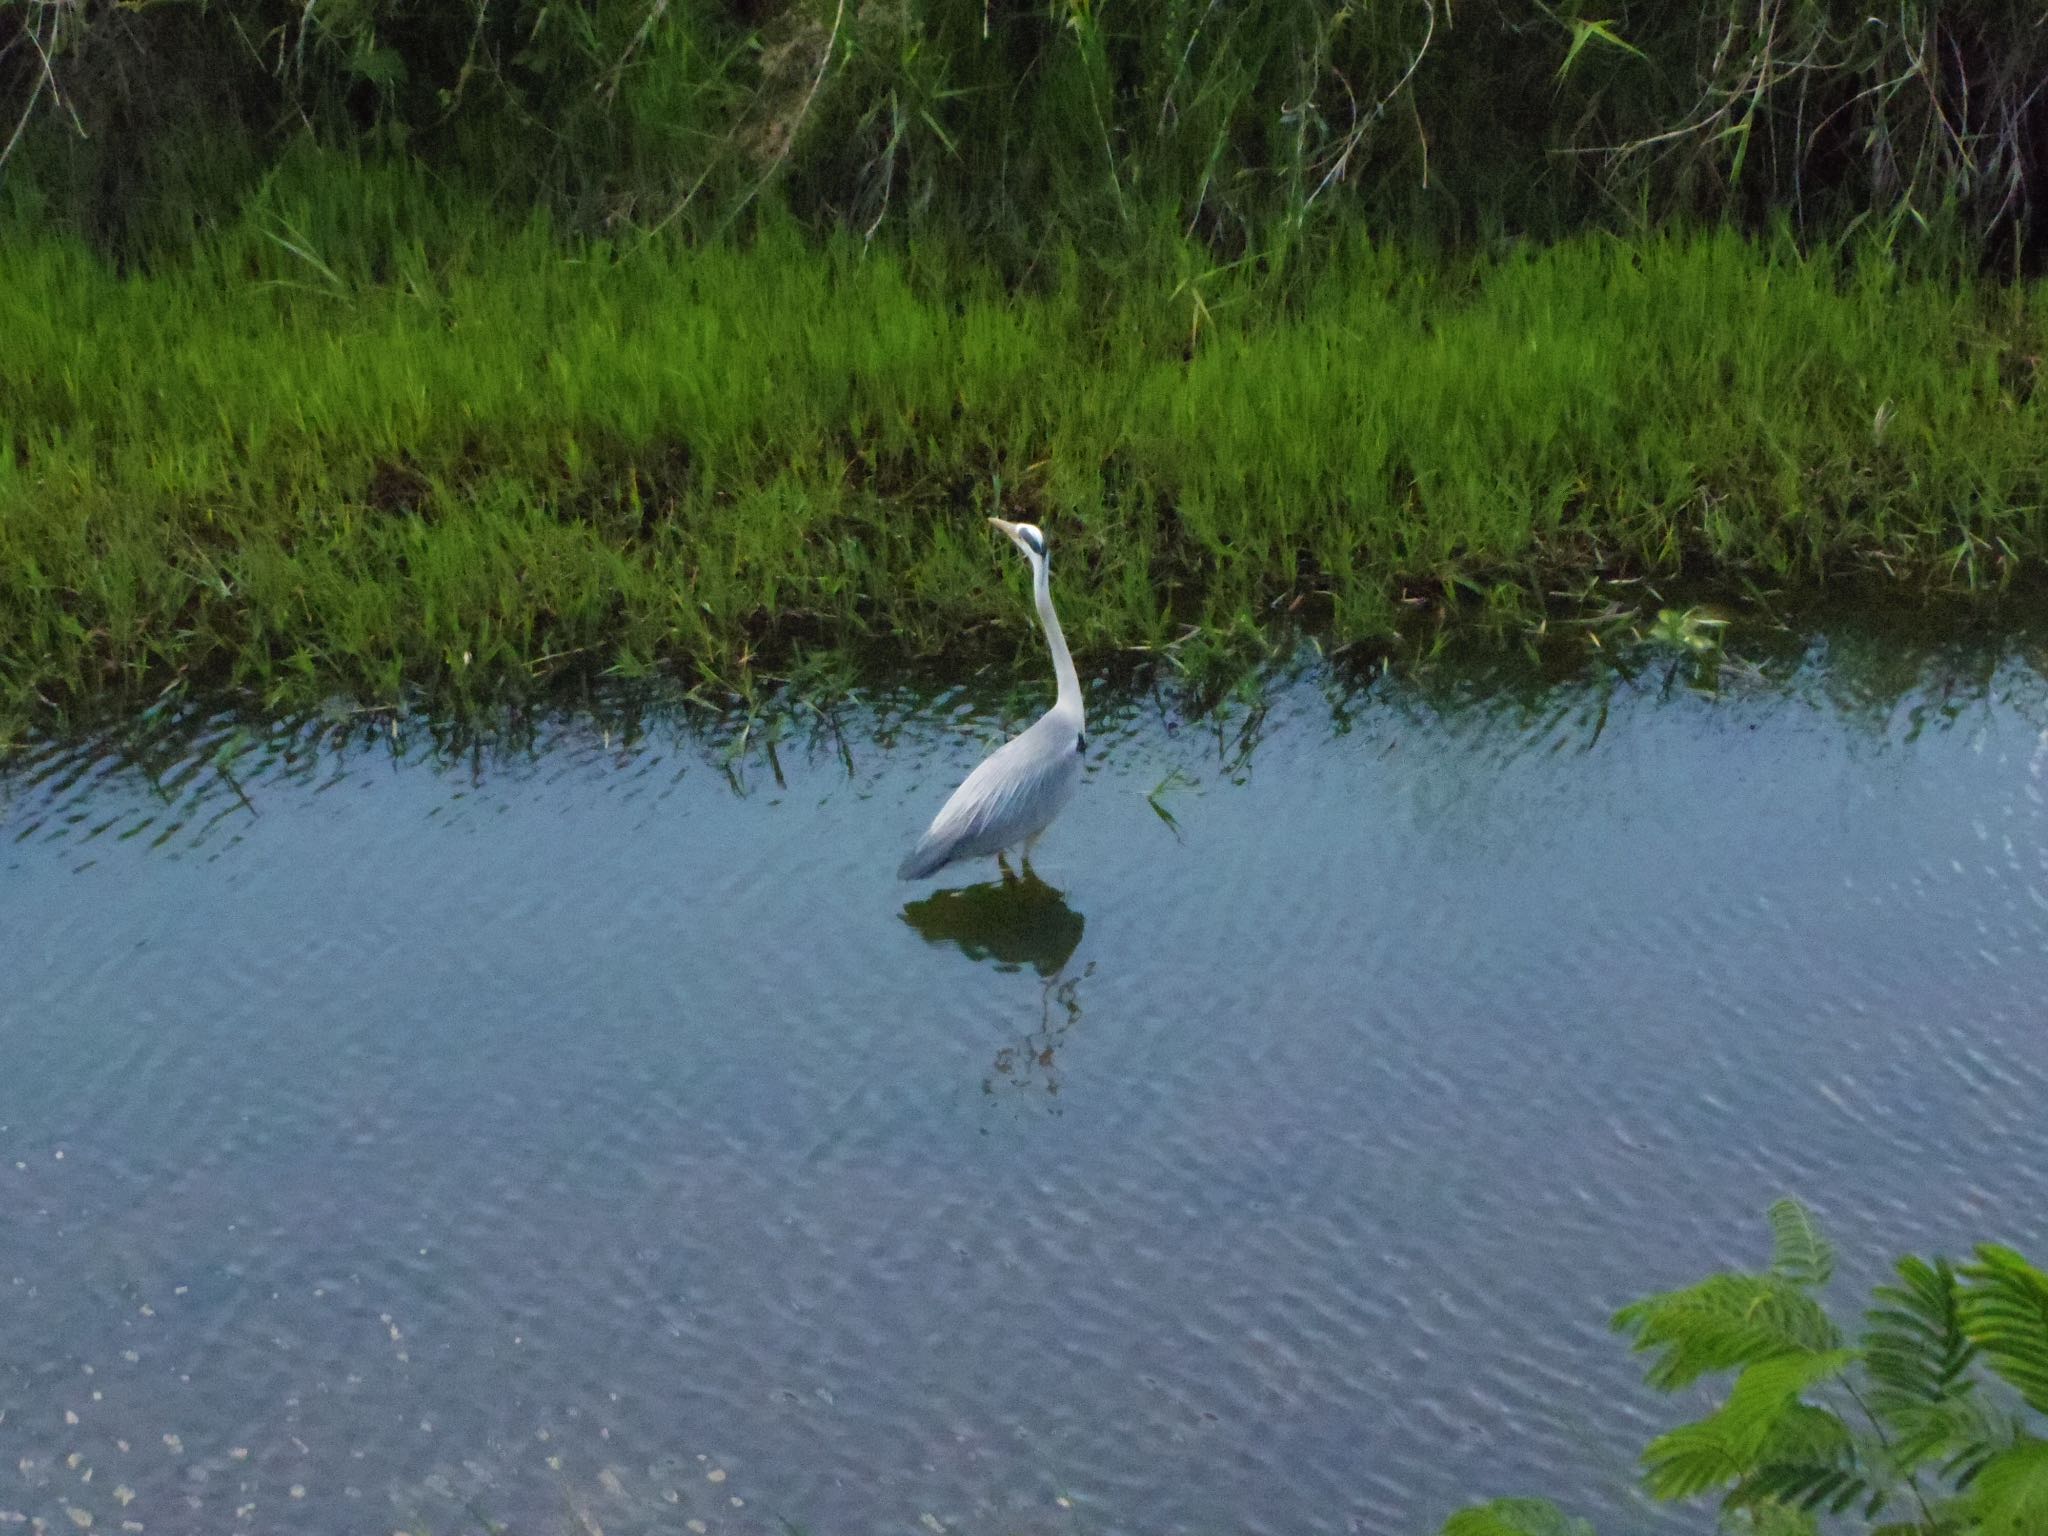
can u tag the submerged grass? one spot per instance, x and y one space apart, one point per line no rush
465 459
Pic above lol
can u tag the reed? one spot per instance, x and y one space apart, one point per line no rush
1254 127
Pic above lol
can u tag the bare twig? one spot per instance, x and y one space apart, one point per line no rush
1361 127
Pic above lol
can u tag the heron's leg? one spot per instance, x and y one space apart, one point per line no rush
1003 863
1030 843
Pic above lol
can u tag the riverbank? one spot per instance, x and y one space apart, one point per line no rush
477 459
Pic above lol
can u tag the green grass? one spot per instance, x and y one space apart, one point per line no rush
377 445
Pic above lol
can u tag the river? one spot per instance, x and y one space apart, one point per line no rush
584 1131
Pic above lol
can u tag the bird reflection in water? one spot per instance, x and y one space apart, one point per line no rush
1013 923
1010 924
1032 1061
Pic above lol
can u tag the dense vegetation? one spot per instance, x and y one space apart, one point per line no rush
380 346
274 466
1933 1423
1015 122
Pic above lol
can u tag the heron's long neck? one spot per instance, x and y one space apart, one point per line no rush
1062 663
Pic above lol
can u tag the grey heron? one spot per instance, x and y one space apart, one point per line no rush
1021 786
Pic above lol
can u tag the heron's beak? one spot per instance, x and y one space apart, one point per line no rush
1009 530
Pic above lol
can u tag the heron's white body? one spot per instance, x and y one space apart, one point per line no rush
1018 790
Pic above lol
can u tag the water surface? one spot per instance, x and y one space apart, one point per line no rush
588 1132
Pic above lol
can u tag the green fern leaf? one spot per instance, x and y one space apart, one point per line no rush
1918 1357
1722 1323
1955 1434
1685 1462
2005 1313
1946 1519
1733 1442
2010 1497
1961 1469
1773 1520
1808 1460
1798 1251
1515 1517
1809 1488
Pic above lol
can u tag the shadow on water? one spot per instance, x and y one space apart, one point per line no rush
1009 923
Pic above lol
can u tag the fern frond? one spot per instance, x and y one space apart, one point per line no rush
1798 1251
1724 1322
1918 1358
1772 1520
1688 1461
2010 1496
1763 1410
1808 1461
1515 1517
2005 1314
1914 1343
1950 1518
1808 1488
1982 1434
1953 1434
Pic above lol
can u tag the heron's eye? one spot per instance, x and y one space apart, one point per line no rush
1031 537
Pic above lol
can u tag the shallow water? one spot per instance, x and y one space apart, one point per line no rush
592 1134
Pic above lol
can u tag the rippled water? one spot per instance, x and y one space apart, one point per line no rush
591 1134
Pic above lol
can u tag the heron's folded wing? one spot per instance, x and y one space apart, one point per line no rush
1006 799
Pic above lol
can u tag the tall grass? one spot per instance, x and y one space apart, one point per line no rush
1248 126
373 439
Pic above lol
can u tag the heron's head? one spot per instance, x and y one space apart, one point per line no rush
1026 536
